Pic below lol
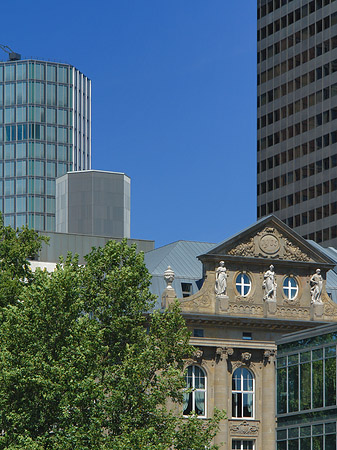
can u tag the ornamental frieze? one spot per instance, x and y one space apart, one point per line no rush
199 302
243 249
246 309
298 313
293 253
244 428
269 243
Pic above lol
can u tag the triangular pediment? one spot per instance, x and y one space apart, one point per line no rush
269 238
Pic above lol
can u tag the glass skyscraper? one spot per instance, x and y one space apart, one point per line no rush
45 131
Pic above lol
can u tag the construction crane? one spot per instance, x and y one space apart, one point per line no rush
12 55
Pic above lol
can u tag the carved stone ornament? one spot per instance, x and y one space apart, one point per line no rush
244 249
245 428
224 352
293 253
200 302
169 277
246 356
268 356
269 243
198 353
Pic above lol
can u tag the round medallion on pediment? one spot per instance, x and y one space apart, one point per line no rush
269 244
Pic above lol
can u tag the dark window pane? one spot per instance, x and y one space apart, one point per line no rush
305 390
317 383
282 390
293 388
330 381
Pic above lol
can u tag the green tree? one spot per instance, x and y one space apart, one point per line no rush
16 246
84 365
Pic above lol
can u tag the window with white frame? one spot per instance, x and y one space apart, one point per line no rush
242 393
242 445
243 284
195 397
290 288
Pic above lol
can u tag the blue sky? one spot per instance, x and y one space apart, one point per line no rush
173 102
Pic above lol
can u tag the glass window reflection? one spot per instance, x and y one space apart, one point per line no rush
242 393
195 401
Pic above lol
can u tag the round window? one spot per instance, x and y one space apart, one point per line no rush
290 287
243 284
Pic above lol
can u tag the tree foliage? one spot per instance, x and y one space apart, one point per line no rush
83 365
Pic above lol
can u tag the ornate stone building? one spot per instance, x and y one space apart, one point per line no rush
258 285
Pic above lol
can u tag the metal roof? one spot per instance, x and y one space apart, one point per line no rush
180 255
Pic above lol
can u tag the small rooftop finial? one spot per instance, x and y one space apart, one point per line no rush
169 277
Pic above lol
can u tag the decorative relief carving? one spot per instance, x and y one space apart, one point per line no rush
268 356
301 313
293 253
201 301
246 357
245 428
330 308
198 353
269 243
246 309
224 353
244 249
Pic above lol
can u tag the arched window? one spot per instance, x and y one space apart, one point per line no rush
195 401
243 393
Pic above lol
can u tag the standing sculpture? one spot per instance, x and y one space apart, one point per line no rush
269 284
221 279
316 286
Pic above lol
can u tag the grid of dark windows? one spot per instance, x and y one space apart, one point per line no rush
305 125
299 105
267 7
306 386
297 113
299 58
306 380
320 436
298 83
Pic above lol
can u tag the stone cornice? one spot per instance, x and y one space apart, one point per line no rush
265 261
232 343
285 325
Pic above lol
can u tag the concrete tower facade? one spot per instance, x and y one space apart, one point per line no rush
297 115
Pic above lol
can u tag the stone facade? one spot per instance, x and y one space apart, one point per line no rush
238 328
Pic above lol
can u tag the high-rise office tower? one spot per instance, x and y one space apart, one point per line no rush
297 115
45 131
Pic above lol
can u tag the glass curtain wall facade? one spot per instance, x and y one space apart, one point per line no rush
306 391
45 131
297 115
